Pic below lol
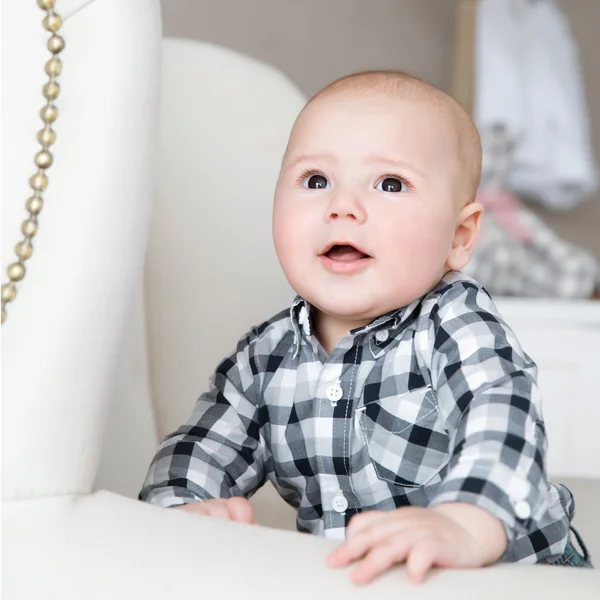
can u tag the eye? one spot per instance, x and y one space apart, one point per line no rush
392 184
316 182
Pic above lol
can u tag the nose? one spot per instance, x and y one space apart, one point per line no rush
345 205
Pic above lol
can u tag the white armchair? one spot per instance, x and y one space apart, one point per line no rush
97 366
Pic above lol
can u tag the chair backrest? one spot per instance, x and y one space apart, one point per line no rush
212 272
62 337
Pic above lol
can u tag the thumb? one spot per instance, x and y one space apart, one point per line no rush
241 510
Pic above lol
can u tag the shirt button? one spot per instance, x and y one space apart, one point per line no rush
339 504
522 509
334 392
382 336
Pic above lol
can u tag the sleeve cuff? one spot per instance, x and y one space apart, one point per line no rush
513 500
169 496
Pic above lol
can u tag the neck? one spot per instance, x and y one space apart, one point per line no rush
330 330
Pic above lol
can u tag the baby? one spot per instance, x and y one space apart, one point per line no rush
391 405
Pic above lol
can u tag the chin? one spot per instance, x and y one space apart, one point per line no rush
344 309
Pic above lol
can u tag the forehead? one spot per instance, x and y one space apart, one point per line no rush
348 124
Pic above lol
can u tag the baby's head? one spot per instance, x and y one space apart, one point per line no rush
374 202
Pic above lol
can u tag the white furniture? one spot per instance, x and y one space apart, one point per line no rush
563 337
78 343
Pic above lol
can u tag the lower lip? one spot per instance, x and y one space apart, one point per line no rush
344 267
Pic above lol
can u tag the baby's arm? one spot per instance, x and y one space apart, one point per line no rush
218 453
487 392
495 488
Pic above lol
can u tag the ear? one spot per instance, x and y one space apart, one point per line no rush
465 236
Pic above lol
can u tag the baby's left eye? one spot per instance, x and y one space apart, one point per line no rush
392 184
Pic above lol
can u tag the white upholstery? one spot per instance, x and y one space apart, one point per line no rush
64 333
75 344
212 270
563 338
107 547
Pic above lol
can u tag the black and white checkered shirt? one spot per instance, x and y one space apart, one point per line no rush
435 402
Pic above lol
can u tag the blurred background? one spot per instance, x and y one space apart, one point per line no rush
527 70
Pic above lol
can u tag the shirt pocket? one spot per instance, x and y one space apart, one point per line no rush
405 437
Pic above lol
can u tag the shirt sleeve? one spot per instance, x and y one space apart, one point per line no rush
219 451
487 392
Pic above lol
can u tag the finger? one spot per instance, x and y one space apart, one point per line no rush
350 551
363 520
217 510
379 560
347 552
193 507
369 518
355 547
421 559
241 510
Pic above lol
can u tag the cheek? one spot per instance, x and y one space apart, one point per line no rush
422 238
291 231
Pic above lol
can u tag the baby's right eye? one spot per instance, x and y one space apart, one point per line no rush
315 182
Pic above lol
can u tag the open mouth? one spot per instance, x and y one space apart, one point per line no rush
344 253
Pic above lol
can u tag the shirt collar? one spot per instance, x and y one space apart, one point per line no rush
391 322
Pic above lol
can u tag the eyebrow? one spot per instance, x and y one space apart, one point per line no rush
331 159
397 164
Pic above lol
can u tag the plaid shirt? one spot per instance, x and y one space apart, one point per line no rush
435 402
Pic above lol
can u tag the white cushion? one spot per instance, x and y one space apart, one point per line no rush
106 546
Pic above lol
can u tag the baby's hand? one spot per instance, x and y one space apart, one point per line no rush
230 509
423 538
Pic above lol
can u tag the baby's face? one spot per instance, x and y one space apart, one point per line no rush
366 203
